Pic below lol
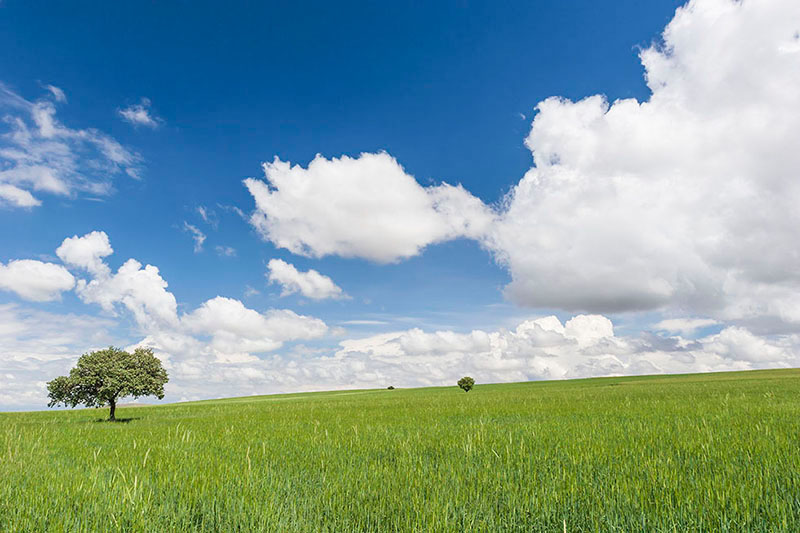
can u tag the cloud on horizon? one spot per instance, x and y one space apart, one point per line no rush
223 346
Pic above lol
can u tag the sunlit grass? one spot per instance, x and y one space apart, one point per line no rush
715 452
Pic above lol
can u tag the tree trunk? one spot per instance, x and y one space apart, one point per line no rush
113 404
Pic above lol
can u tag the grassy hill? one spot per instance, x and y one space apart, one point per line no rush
710 452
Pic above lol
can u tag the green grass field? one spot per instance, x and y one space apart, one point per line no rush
713 452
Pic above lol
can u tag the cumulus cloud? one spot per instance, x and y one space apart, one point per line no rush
87 252
34 280
140 114
310 284
140 289
218 335
38 154
687 200
237 332
545 348
738 344
359 207
224 348
541 348
233 330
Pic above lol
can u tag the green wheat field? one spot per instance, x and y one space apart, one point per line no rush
711 452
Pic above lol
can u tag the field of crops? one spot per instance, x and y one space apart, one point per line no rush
714 452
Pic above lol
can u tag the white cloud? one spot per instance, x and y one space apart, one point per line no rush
545 349
17 197
542 348
34 280
237 332
141 290
87 252
687 201
38 154
225 251
321 210
216 336
221 348
310 284
364 322
738 344
198 236
140 114
251 291
36 346
684 326
234 209
57 93
208 216
684 203
27 333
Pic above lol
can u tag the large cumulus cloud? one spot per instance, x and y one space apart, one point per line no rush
687 200
684 203
359 207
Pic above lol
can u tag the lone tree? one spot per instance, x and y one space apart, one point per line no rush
103 377
466 383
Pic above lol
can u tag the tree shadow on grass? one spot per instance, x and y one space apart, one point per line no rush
118 420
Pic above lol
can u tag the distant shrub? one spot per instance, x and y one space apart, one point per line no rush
391 387
466 383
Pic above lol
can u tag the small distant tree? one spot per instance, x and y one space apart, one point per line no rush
466 383
390 387
105 376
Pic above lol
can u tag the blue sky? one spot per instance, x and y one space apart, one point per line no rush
240 85
447 93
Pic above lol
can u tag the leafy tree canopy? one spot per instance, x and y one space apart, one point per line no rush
466 383
102 377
